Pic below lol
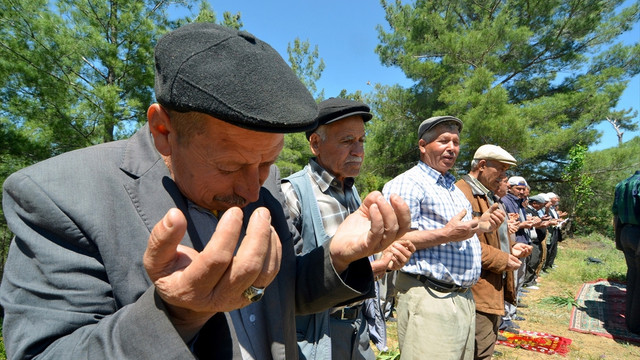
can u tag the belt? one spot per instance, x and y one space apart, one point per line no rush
347 313
438 285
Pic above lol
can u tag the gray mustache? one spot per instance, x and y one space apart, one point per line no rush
233 200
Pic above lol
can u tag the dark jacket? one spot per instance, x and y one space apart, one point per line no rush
74 286
541 232
513 204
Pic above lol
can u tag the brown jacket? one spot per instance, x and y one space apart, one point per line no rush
492 290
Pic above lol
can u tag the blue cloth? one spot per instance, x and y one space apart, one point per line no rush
434 200
513 204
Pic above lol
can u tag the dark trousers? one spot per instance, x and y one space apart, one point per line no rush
350 339
552 247
532 265
486 334
630 241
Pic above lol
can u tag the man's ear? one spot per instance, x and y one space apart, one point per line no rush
421 145
481 164
160 127
314 144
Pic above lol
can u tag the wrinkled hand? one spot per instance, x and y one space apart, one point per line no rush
459 230
369 230
513 263
513 226
194 286
491 219
397 254
521 250
527 224
537 222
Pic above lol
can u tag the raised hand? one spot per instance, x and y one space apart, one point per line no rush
194 286
397 254
514 263
521 250
491 219
458 230
369 230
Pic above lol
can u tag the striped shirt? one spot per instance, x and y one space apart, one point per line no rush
626 205
434 200
335 199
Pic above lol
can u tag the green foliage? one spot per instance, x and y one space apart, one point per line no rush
560 301
391 145
3 353
306 64
607 168
389 355
308 67
532 78
75 73
579 269
295 154
579 183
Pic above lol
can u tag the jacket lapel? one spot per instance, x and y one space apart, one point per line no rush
272 302
149 175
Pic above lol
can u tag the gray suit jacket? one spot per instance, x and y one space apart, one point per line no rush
74 286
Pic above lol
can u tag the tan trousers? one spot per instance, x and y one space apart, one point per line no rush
544 256
432 324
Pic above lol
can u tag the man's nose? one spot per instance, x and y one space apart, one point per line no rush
357 149
248 184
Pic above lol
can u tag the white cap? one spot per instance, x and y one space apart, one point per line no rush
517 180
494 152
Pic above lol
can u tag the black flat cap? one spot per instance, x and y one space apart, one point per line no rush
433 121
334 109
232 76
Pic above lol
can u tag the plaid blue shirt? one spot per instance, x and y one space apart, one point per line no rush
434 200
335 199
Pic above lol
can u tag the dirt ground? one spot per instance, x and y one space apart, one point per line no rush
552 319
555 320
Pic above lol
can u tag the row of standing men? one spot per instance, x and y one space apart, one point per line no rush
458 270
175 244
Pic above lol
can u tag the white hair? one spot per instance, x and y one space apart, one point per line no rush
322 132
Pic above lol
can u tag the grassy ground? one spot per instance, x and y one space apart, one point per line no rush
562 283
571 271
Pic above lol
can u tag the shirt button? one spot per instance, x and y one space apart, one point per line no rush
252 318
